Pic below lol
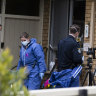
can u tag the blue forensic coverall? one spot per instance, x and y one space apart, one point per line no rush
69 57
65 78
33 59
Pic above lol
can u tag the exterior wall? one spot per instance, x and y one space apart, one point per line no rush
13 25
46 18
88 20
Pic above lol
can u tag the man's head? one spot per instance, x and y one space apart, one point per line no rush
25 38
74 30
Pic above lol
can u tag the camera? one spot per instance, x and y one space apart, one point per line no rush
89 62
91 51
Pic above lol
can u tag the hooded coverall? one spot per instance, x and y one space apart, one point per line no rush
32 58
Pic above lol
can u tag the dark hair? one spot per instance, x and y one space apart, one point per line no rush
24 34
74 28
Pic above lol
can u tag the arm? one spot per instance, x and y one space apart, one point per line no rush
77 57
20 62
38 52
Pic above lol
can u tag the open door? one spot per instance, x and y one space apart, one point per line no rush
63 14
59 25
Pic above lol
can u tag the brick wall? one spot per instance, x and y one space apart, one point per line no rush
86 40
87 21
46 31
46 26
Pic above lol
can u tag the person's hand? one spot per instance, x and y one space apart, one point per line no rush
41 75
26 71
83 58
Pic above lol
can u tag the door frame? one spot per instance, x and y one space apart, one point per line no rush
50 42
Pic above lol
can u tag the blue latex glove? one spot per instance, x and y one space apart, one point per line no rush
41 75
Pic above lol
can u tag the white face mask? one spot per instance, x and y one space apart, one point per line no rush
24 43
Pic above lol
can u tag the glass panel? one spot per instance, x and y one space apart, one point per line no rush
22 7
0 5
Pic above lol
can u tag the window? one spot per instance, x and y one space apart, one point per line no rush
22 7
0 5
79 9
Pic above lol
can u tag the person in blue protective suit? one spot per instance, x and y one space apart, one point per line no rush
32 58
69 59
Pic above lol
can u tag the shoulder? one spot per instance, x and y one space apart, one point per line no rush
21 48
36 45
69 40
63 40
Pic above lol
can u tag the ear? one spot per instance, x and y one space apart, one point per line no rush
76 34
28 39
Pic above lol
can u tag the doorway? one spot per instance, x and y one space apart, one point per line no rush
79 17
59 25
63 14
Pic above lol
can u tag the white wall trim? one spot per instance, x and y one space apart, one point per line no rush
20 16
49 34
41 18
91 91
92 24
3 19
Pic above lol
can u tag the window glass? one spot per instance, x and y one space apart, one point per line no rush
22 7
0 5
